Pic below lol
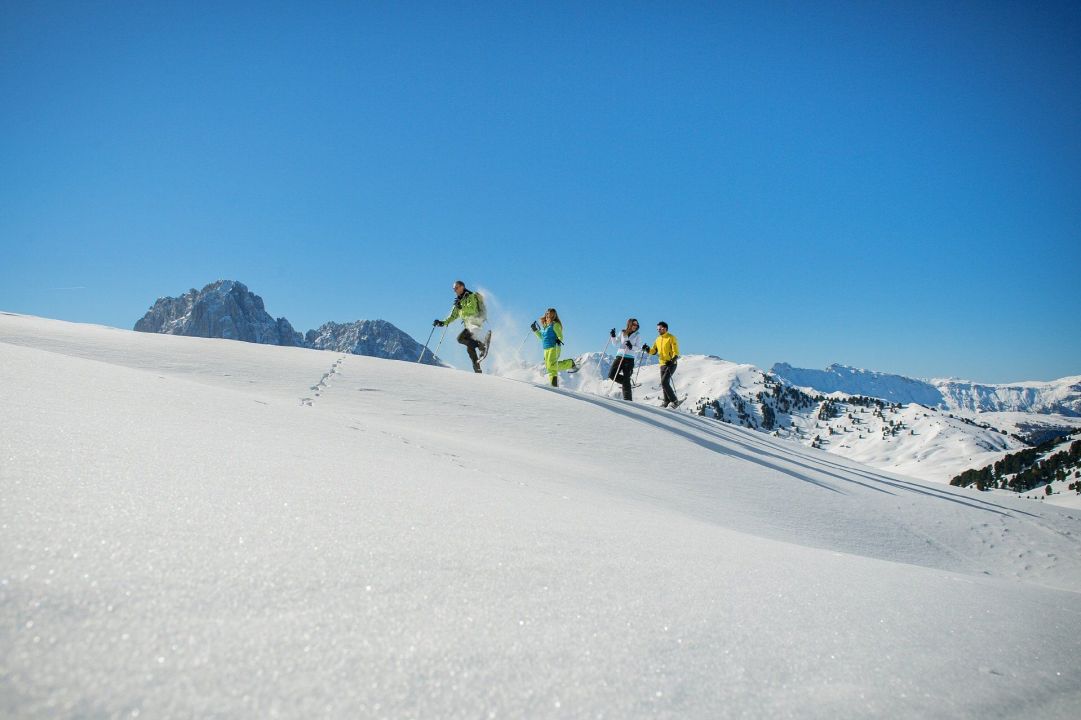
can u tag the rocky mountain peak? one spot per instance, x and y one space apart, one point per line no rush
228 309
223 309
375 338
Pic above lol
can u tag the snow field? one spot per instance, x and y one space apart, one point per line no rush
216 529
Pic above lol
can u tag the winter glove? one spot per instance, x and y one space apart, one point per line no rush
438 323
628 345
612 332
535 327
645 348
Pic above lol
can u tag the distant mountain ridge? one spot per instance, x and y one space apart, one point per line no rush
899 435
1062 397
228 309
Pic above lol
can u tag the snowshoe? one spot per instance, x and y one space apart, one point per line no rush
485 346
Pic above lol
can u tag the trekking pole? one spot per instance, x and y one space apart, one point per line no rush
643 354
614 375
441 336
521 345
638 363
426 344
603 351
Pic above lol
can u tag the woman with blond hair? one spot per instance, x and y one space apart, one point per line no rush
623 364
550 332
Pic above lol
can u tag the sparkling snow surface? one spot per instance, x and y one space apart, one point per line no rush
207 528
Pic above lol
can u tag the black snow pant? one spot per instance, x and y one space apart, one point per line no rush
667 371
621 371
471 344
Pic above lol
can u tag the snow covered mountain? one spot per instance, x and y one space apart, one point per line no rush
227 309
374 338
188 530
222 309
1062 397
1052 470
907 438
841 378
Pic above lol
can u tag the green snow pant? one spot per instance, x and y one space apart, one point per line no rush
553 364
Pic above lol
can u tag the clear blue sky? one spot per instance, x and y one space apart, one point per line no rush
895 186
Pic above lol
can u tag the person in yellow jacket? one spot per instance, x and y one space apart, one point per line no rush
667 347
550 332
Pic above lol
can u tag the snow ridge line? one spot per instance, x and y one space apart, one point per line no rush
324 382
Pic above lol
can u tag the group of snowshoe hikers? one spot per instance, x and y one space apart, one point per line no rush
469 308
666 347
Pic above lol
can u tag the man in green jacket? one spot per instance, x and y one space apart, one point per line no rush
469 307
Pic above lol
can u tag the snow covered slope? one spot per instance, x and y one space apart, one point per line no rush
914 440
1035 428
1049 472
193 527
